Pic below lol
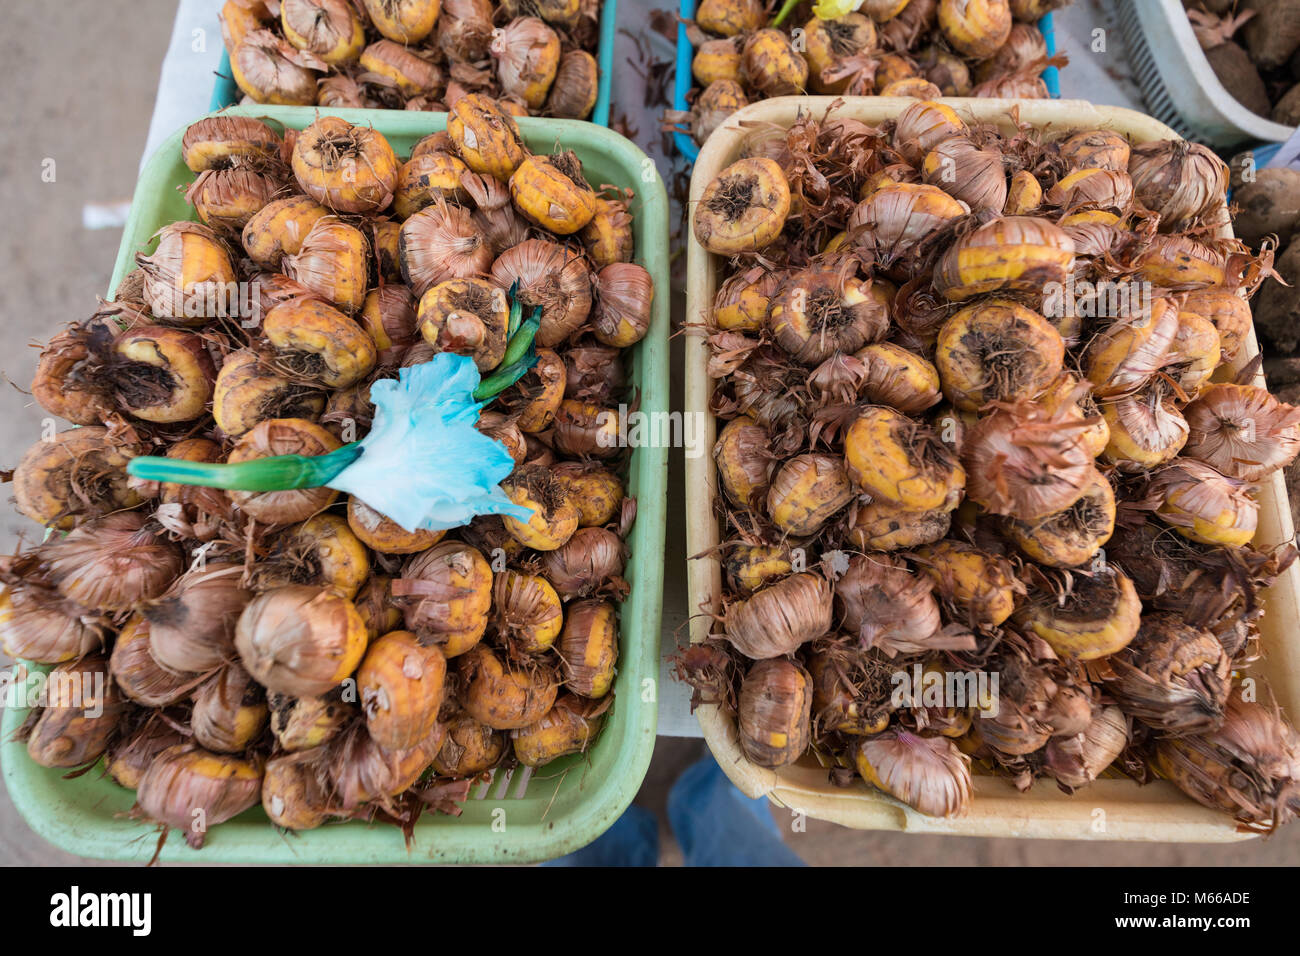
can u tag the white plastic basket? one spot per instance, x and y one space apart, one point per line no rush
1177 82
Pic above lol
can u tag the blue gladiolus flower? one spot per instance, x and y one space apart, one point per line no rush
424 464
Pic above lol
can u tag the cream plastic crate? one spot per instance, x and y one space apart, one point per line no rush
1109 809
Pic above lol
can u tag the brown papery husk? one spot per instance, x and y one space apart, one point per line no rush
1024 84
172 293
712 669
225 142
505 694
888 607
532 402
1098 246
415 74
807 491
1204 495
1249 767
493 212
1173 676
1123 356
524 605
523 50
922 126
895 219
920 311
1024 44
143 737
292 795
333 262
1230 313
588 647
464 29
945 70
186 778
389 314
191 628
39 624
1023 722
138 673
441 242
584 430
1183 262
429 590
1180 181
65 383
1206 585
1101 189
113 563
1242 431
81 712
745 462
775 704
574 91
300 640
192 510
552 276
928 774
342 92
1024 461
77 474
780 617
901 32
813 316
230 711
978 176
773 389
838 381
588 563
852 689
226 199
1073 535
274 72
1077 761
1096 149
593 373
741 301
624 292
274 288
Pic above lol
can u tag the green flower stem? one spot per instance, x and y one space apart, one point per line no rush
278 473
516 311
510 370
504 377
785 11
521 340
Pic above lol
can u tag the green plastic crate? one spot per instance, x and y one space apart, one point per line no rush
519 817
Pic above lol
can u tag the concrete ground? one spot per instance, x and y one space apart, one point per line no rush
79 92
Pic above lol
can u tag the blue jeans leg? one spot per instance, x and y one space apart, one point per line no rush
717 825
633 840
